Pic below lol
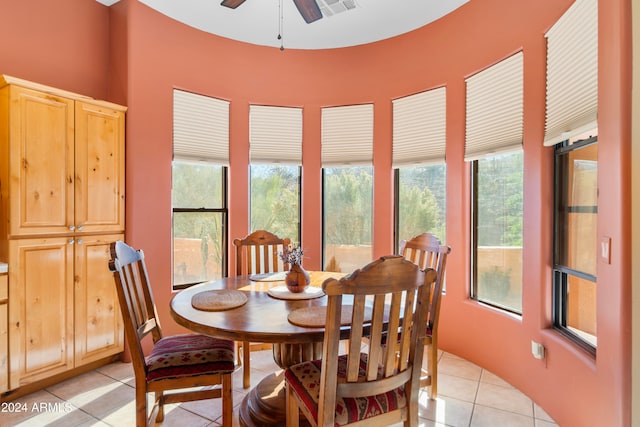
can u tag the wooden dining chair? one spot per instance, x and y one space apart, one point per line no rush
257 253
375 385
425 250
176 362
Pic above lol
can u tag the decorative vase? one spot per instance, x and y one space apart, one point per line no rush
297 278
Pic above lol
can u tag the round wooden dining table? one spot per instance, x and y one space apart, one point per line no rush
263 318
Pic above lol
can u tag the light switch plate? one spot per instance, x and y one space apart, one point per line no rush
605 249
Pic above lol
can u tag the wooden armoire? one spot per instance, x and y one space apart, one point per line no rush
61 204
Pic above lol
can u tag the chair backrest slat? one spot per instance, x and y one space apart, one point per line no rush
145 328
134 282
406 338
357 318
393 329
377 321
390 298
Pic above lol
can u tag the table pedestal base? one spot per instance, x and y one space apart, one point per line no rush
265 405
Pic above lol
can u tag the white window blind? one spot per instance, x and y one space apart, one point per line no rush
420 128
200 128
572 73
495 109
347 135
275 135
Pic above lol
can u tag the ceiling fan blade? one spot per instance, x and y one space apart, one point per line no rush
309 10
232 3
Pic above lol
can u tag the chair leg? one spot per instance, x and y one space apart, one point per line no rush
227 401
246 362
141 406
428 374
433 369
293 413
160 402
412 414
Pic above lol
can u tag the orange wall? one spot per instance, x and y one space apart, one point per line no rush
62 44
148 55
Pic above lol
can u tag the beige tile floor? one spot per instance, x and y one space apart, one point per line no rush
468 396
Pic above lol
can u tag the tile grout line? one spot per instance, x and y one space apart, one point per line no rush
76 407
475 397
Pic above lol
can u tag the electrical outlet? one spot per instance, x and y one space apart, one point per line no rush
537 350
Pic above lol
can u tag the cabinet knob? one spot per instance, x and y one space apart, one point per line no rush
71 241
80 227
72 227
79 242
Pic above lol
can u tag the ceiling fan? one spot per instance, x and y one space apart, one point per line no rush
308 8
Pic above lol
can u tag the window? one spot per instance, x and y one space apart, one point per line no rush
497 230
571 126
575 240
493 145
275 200
275 153
347 185
348 213
419 146
199 223
421 201
198 192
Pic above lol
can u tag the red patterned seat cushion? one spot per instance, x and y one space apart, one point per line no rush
189 354
305 380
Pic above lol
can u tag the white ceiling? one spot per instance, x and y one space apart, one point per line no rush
258 21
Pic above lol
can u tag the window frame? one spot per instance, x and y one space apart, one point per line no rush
224 210
473 235
396 210
561 273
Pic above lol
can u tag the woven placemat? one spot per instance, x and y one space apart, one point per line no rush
218 300
316 317
281 292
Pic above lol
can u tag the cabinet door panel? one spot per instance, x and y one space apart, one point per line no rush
41 162
4 335
99 191
4 349
40 308
99 329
